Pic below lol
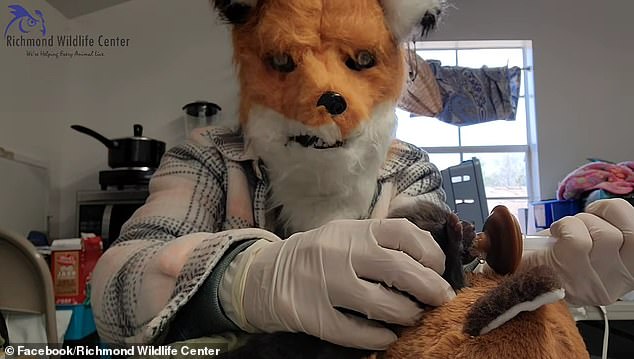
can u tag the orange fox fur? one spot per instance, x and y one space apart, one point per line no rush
546 333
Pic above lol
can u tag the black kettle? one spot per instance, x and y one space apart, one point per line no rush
129 152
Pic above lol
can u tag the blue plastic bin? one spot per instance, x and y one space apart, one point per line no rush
547 212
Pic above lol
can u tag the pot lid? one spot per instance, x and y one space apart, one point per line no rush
112 143
138 135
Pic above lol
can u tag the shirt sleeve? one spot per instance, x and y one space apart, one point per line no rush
167 249
420 179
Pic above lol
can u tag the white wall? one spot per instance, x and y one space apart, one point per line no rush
583 57
33 91
179 53
33 99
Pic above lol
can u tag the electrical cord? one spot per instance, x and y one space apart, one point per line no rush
606 332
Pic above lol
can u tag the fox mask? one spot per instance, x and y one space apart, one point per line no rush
319 81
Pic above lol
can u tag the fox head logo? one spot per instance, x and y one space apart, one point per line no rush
25 21
319 80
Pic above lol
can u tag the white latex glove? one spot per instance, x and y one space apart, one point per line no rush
594 253
296 285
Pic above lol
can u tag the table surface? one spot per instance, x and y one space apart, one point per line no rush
622 310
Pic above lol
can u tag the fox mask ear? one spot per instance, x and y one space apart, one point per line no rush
407 19
412 19
235 11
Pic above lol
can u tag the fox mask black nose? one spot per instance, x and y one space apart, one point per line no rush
334 103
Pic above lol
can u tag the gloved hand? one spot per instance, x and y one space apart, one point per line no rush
594 253
296 285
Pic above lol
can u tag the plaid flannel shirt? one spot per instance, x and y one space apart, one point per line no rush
207 198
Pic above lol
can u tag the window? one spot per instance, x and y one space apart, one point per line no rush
506 149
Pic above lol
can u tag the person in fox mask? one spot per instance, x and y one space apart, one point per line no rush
281 225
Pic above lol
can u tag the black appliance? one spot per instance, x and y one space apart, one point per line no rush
104 212
133 159
125 178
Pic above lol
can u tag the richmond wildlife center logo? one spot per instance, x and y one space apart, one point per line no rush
27 30
25 22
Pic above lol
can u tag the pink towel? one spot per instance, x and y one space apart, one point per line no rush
614 178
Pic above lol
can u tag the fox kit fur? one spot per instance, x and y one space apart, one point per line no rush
319 82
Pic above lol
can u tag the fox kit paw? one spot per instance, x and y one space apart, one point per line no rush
468 236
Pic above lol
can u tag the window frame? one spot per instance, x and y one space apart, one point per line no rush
530 148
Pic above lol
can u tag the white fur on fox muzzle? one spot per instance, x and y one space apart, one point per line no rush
313 178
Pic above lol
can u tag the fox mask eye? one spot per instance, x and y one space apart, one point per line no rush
283 63
361 61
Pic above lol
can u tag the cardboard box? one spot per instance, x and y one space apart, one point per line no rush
72 263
